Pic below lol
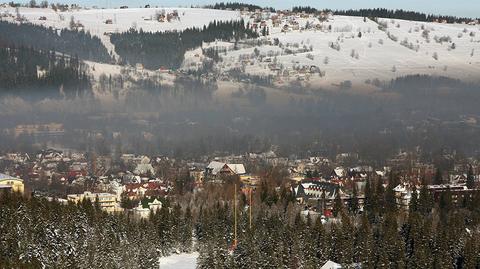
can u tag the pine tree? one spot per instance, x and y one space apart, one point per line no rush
425 201
353 204
390 199
413 205
470 178
380 197
471 255
338 205
438 178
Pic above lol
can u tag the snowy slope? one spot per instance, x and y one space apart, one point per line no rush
375 54
94 20
180 261
400 48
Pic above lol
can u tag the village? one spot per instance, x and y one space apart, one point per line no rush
138 184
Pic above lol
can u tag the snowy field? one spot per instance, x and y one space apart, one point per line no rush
403 48
180 261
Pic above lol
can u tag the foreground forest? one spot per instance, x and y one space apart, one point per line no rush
432 234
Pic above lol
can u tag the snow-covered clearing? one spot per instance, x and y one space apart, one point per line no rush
179 261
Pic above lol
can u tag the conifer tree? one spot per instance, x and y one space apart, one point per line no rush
425 200
438 178
470 178
337 205
413 205
353 204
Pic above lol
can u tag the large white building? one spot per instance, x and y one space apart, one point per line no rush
11 183
107 201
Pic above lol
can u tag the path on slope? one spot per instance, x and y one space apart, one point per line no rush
179 261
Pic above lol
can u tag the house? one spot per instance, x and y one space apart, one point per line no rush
338 173
144 168
317 189
331 265
458 191
137 191
107 201
215 169
404 193
144 212
11 183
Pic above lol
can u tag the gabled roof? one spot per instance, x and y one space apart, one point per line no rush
216 167
237 168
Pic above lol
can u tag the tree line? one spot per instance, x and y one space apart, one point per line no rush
400 14
432 233
37 233
167 49
24 68
71 42
236 5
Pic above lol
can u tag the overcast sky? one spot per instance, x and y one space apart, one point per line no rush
468 8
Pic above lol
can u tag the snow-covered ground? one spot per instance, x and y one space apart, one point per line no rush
362 52
450 50
94 20
180 261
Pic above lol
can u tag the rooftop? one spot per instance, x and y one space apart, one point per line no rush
4 176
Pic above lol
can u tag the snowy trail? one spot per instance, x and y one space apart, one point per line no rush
179 261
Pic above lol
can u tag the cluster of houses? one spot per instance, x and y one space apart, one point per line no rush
287 20
143 181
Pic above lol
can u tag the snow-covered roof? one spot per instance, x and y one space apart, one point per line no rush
339 171
215 167
237 168
4 176
331 265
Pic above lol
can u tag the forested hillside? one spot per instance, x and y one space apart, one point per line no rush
236 5
72 42
167 49
399 14
41 234
433 234
26 69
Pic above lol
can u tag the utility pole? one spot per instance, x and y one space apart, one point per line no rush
235 217
250 208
